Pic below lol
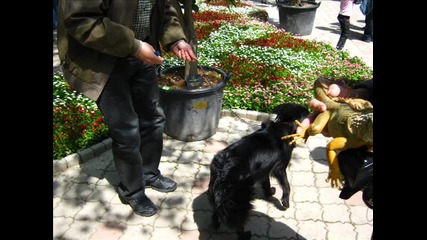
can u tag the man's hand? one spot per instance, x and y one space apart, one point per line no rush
184 51
147 54
317 106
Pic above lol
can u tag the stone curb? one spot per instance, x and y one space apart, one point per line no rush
99 148
81 157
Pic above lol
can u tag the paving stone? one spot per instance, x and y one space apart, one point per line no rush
340 231
108 232
59 166
303 179
336 213
190 235
189 224
190 157
137 232
308 211
329 195
361 214
68 208
214 147
92 211
305 194
311 229
61 225
300 165
165 233
364 231
81 230
194 146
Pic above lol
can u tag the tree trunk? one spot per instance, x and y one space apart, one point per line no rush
190 32
187 22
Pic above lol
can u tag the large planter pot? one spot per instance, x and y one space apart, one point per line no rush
193 114
297 20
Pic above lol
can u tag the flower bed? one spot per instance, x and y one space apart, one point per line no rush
269 67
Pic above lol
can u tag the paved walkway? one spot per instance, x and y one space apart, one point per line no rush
86 206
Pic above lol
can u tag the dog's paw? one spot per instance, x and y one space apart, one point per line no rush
285 203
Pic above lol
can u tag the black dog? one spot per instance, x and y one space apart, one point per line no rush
253 159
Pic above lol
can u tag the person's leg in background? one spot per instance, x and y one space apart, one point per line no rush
55 16
368 33
345 30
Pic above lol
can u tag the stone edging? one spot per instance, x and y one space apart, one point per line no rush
99 148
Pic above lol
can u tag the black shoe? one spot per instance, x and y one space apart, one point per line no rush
162 184
366 39
368 194
341 43
139 203
347 192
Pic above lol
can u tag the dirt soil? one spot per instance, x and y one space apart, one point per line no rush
175 78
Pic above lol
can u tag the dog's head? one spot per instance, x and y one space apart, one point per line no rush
289 112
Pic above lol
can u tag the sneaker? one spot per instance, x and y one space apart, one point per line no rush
139 203
347 191
162 184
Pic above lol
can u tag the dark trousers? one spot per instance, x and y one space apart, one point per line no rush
129 103
369 24
345 30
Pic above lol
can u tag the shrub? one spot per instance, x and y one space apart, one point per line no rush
77 122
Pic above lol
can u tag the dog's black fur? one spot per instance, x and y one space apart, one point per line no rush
253 159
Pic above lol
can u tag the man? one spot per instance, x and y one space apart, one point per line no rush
108 52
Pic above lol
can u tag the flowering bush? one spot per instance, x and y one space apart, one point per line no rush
269 66
77 122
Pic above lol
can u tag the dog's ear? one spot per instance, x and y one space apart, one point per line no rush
289 112
266 124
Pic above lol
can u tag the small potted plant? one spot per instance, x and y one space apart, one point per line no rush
191 95
297 16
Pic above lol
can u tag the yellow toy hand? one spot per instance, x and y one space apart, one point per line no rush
297 136
336 179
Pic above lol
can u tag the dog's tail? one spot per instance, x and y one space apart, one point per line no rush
233 204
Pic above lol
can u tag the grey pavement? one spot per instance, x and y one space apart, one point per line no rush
86 206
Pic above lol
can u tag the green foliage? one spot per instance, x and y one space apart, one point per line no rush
269 60
77 122
268 65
